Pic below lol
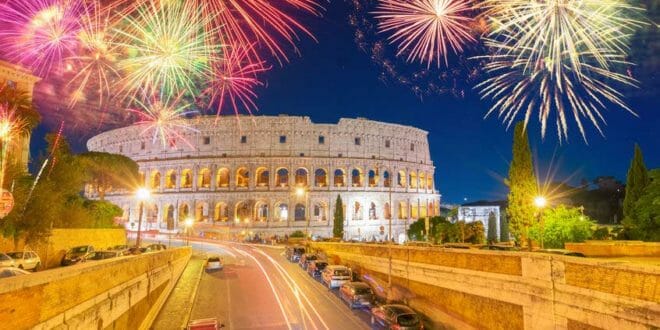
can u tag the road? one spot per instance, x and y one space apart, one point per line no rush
260 289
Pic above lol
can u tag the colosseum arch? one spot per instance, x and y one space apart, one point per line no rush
320 211
429 182
222 178
401 179
243 212
414 210
282 177
142 179
262 177
170 179
220 212
204 178
373 214
184 211
299 212
387 179
403 210
201 211
242 177
282 211
387 211
413 179
261 211
152 213
186 178
373 178
339 178
357 211
169 216
320 177
422 180
356 177
301 178
155 180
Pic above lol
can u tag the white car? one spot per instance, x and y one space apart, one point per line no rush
335 275
27 260
6 261
213 263
11 272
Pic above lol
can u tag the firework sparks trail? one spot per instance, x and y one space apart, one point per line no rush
164 118
558 55
40 33
426 29
234 82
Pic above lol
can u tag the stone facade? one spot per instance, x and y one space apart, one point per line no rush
277 174
481 213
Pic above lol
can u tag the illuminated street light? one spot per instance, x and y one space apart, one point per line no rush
142 194
188 223
300 191
540 202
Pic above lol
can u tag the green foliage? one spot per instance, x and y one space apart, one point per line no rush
442 231
522 186
636 182
560 225
492 227
338 226
297 234
416 230
601 233
472 232
504 227
647 211
24 109
105 171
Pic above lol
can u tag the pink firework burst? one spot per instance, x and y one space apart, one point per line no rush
426 29
234 80
40 33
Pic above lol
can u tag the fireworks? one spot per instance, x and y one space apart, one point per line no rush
39 33
164 118
559 55
168 48
426 29
234 81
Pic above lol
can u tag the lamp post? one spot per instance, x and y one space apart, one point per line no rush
540 202
188 223
142 194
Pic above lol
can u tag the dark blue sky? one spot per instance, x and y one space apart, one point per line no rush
334 79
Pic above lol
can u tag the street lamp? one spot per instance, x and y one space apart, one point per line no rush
540 202
188 223
142 194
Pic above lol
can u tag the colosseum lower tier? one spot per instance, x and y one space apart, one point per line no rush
273 175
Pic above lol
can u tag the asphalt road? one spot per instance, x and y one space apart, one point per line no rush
259 289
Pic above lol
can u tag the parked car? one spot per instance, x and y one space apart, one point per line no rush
101 255
306 258
27 260
11 272
562 252
213 263
6 261
119 247
395 317
78 254
357 294
293 253
335 275
315 268
156 247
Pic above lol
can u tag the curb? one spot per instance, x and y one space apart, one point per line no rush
186 317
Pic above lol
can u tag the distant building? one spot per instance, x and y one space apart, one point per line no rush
14 76
480 211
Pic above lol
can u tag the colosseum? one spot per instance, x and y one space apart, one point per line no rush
273 175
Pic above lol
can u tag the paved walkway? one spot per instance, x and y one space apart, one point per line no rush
176 309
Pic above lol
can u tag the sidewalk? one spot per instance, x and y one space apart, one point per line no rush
176 310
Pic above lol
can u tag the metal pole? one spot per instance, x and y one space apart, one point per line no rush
137 240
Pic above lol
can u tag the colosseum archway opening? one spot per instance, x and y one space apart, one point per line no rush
403 210
282 177
357 211
201 211
204 178
401 179
242 177
320 177
155 180
422 180
413 180
243 212
320 211
263 177
387 180
356 177
221 213
373 178
223 178
170 179
169 217
261 211
387 211
152 213
339 178
372 211
184 212
299 213
186 178
301 177
282 211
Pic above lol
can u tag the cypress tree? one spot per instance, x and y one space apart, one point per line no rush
492 228
522 186
338 227
504 227
636 182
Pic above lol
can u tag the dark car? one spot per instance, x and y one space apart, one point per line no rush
77 254
101 255
395 317
315 268
306 258
357 294
156 247
293 253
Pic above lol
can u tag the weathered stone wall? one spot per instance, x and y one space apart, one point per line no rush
52 250
616 248
508 290
117 293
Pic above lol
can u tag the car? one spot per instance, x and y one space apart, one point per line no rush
213 263
119 247
101 255
357 294
395 316
12 271
293 253
156 247
77 254
315 268
306 258
335 275
562 252
6 261
27 260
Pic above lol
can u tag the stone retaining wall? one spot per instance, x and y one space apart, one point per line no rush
616 248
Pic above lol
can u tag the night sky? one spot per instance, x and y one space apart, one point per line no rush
333 78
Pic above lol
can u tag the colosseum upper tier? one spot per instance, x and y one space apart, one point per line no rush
278 174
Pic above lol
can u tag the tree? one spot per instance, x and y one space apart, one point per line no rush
522 186
636 182
474 233
338 227
560 225
492 228
19 101
504 227
647 210
106 172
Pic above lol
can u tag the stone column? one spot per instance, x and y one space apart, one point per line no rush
213 173
195 178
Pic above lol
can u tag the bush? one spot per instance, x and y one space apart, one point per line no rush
602 233
297 233
561 225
